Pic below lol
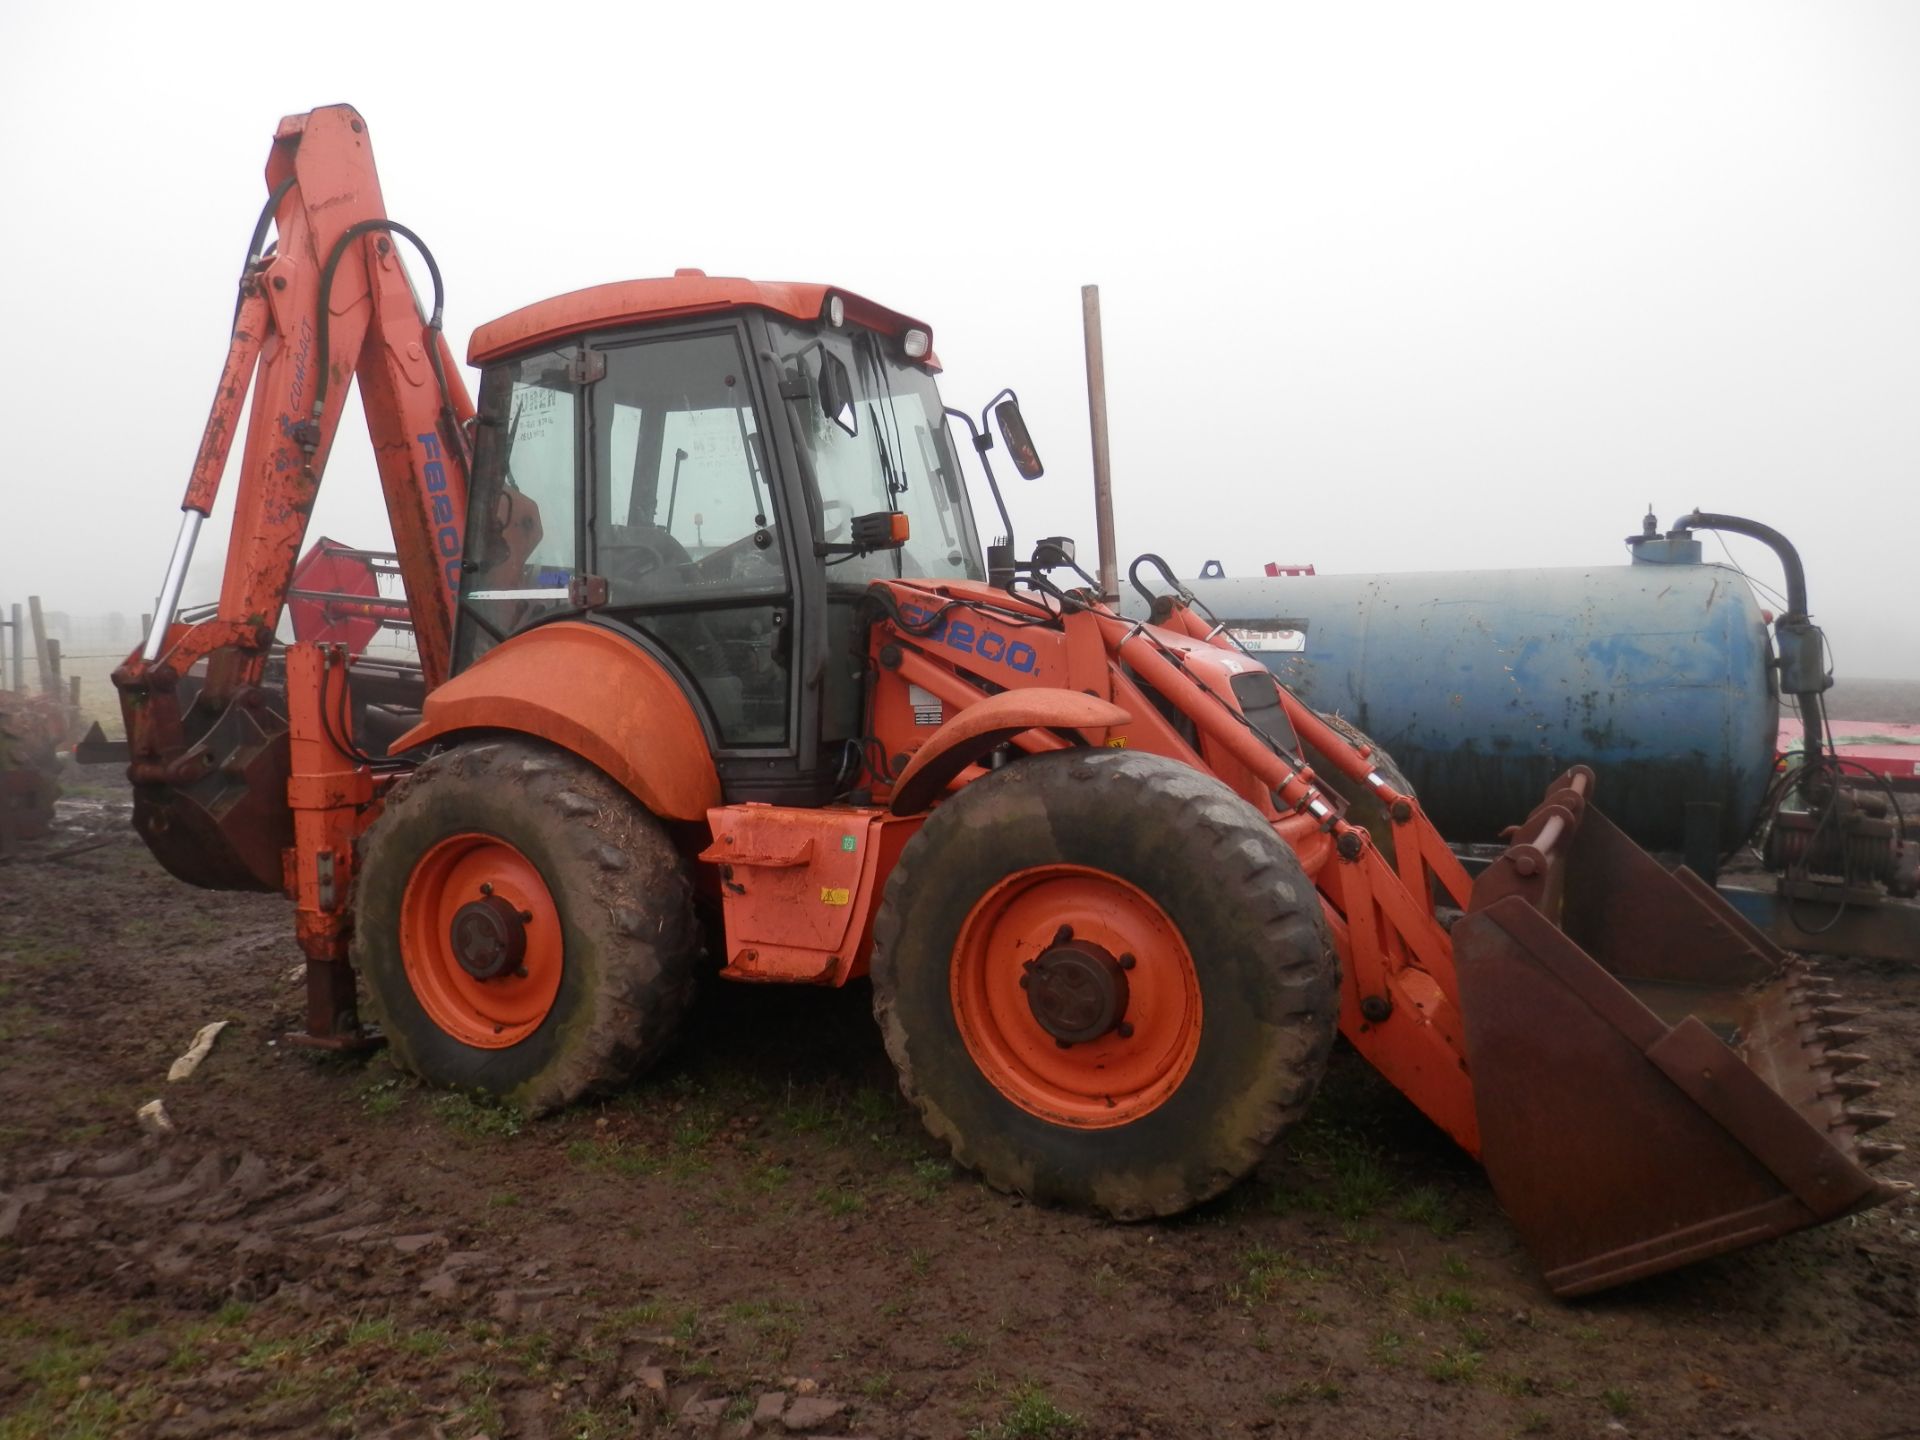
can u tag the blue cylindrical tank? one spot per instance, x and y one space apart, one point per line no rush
1486 684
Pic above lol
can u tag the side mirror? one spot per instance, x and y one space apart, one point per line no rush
1013 431
836 393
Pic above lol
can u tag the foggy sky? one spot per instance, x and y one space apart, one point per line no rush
1385 287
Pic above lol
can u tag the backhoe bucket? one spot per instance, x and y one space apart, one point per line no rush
1656 1082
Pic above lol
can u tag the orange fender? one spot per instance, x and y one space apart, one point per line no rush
595 693
987 724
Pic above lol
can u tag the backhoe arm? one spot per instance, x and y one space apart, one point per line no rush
329 304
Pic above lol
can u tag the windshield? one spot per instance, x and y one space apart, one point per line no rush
887 449
520 508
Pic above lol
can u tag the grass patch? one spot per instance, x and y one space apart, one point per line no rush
765 1179
1425 1205
840 1199
480 1414
1300 1392
930 1177
615 1157
1340 1173
1443 1302
630 1318
1030 1415
478 1119
1618 1400
385 1096
1456 1365
1267 1270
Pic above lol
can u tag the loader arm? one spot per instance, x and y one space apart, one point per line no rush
1645 1078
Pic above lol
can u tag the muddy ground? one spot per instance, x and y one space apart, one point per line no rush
322 1248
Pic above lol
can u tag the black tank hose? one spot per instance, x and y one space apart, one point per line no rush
1813 739
1767 536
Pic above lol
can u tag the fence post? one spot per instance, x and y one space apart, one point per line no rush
40 643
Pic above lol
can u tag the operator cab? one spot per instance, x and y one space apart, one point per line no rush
700 464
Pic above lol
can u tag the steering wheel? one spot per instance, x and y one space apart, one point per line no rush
633 560
758 542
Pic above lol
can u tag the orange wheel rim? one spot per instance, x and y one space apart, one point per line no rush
1107 1022
480 940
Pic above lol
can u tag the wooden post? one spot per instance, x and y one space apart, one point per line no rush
53 669
1102 461
19 651
40 643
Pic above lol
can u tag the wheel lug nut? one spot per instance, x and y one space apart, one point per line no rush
1026 982
485 888
1127 962
1124 1030
1063 935
1063 1044
526 917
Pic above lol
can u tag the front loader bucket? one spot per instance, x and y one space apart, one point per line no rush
1655 1081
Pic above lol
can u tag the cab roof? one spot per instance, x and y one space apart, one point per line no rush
684 293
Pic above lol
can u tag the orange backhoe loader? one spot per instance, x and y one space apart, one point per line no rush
711 661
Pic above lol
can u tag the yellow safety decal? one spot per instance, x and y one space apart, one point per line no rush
1116 742
831 896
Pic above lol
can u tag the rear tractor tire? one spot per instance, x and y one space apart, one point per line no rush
1105 981
522 927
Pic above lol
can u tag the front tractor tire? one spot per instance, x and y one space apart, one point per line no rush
522 927
1105 981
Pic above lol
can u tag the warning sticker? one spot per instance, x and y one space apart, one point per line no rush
831 895
926 706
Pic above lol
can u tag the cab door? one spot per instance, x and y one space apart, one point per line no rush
684 522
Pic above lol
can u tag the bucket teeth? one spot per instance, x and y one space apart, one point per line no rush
1863 1119
1830 1014
1842 1034
1841 1061
1823 997
1854 1089
1875 1152
1813 979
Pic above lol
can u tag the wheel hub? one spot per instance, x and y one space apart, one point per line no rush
488 937
1077 991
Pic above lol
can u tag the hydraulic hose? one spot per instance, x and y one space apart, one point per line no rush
259 240
352 233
